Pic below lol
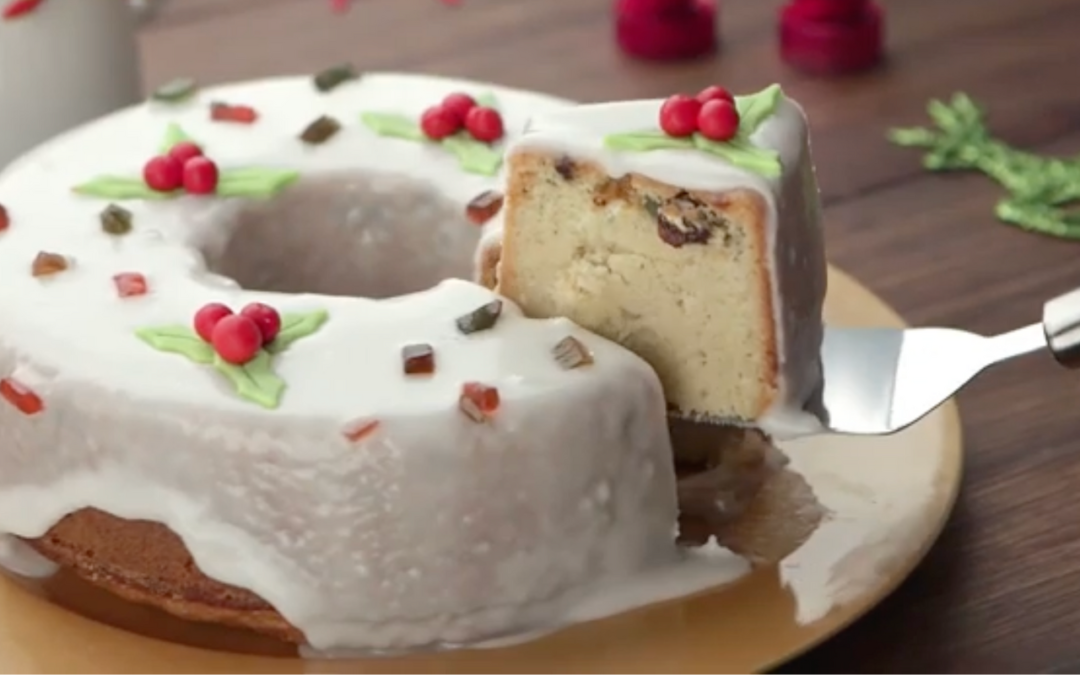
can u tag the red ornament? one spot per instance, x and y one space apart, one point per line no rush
266 318
185 150
438 122
163 173
460 104
484 124
236 339
715 93
820 40
241 114
20 396
718 121
200 176
208 317
666 31
17 8
129 284
679 115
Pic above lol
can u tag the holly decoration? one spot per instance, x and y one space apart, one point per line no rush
240 346
198 175
710 123
1039 189
467 127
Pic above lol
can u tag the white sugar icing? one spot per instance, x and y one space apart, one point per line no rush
797 261
432 529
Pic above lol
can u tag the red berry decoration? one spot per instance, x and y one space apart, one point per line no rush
266 318
208 317
185 150
460 104
236 339
163 173
679 115
718 121
438 122
715 93
5 219
484 124
200 176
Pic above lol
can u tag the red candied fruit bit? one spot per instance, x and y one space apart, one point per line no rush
164 173
20 396
718 121
130 284
200 176
241 114
438 122
360 429
236 339
460 104
484 124
478 401
679 115
715 93
208 317
17 8
5 219
184 151
266 318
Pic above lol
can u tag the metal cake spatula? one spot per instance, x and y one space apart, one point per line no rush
881 380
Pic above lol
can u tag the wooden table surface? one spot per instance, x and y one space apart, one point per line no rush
999 592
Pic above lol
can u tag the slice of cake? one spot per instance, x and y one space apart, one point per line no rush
688 231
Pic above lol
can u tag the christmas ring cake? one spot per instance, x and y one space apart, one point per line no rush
245 376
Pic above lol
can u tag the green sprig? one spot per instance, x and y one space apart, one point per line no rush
1039 188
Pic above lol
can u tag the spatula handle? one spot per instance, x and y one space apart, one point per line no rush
1061 321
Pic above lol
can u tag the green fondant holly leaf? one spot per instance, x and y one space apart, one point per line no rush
487 99
174 134
254 182
296 326
394 126
754 109
255 380
472 155
177 340
644 141
120 188
743 154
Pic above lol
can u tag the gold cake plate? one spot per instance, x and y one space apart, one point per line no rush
888 499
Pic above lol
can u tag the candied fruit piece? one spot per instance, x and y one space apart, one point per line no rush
225 112
357 430
115 220
484 206
20 396
47 264
482 318
129 284
570 353
331 78
320 131
5 219
176 90
478 401
418 359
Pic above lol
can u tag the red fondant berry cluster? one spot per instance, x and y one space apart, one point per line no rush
237 338
185 167
460 111
712 113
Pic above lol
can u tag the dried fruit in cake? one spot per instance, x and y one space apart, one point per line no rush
478 401
207 317
484 124
266 318
115 220
200 176
130 284
164 173
718 120
236 339
46 264
679 115
320 131
482 318
484 206
570 353
20 396
240 114
418 359
439 122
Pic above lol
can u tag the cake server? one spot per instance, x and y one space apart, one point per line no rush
881 380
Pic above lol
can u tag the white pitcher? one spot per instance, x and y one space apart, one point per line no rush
66 63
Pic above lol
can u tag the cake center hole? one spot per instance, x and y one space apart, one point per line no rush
367 235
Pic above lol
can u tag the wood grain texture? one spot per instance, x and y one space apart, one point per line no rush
1000 592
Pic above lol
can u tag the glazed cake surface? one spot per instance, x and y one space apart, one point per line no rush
426 528
712 272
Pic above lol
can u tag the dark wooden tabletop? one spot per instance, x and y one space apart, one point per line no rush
1000 592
